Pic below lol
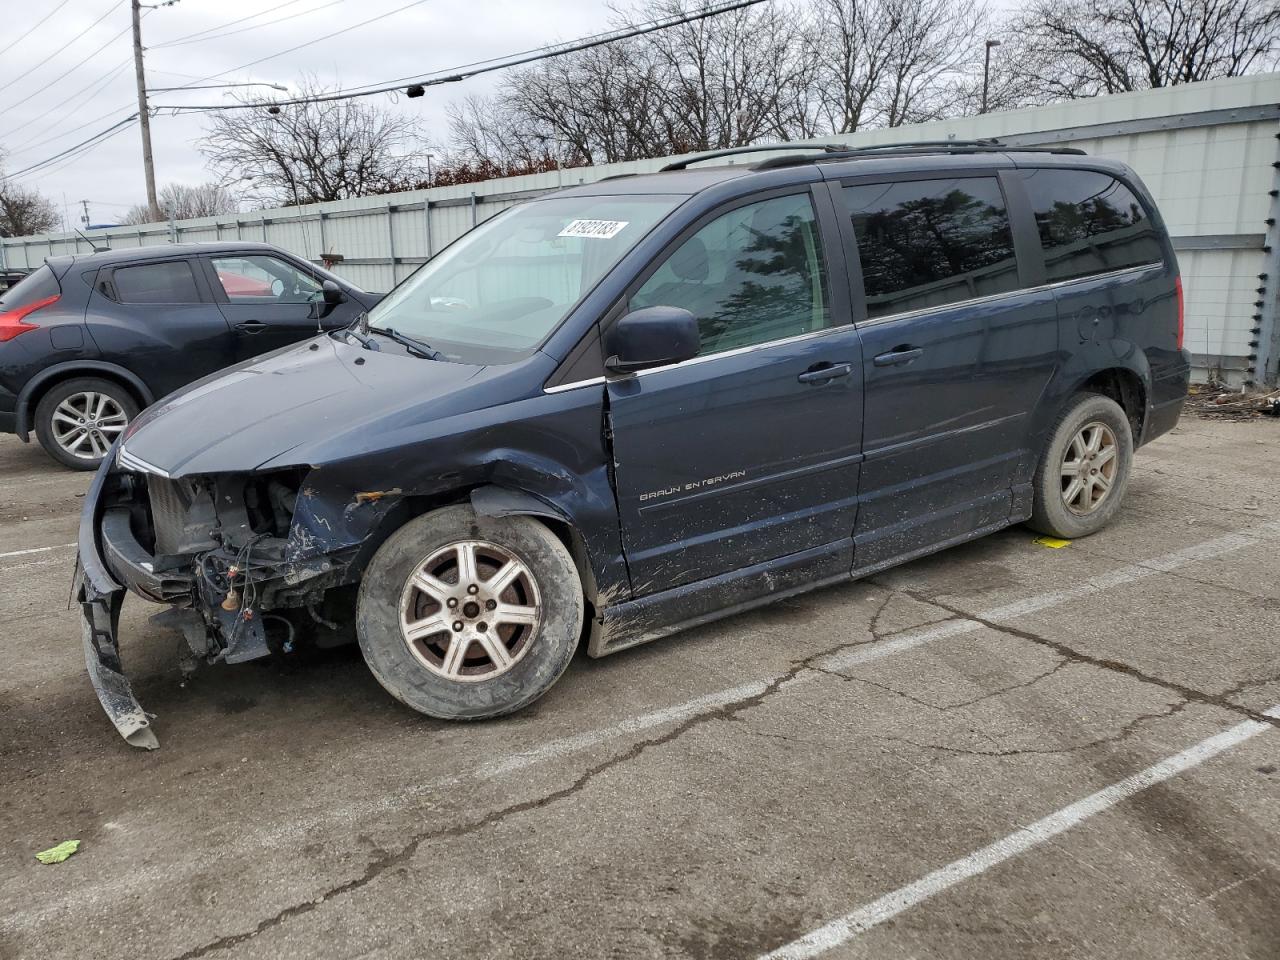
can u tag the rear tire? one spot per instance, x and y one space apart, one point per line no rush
77 421
461 617
1084 470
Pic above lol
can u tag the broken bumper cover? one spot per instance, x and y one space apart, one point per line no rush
100 597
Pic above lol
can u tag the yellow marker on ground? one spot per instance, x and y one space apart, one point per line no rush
1053 542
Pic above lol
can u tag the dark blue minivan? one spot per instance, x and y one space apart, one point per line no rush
634 406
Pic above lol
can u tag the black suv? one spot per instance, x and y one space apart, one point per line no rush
88 341
634 406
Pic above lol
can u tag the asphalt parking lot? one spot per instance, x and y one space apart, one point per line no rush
1004 750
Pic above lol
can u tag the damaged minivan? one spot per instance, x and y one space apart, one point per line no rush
634 406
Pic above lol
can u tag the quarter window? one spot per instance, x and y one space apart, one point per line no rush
170 282
926 243
258 279
1089 223
753 275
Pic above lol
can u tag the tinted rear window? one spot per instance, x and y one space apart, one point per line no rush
171 282
1089 223
926 243
38 285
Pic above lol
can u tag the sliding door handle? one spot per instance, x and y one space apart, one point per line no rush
898 356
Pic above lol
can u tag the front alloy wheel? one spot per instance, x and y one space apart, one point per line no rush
461 616
470 611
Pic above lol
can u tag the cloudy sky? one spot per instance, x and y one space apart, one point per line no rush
56 89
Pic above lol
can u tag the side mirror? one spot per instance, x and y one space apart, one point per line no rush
331 295
651 337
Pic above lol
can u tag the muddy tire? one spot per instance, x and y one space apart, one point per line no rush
461 617
1084 471
78 420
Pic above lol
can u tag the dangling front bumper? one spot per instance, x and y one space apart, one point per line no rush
100 597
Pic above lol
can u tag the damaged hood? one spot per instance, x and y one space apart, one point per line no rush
298 406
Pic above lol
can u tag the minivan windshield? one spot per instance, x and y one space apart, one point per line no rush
495 294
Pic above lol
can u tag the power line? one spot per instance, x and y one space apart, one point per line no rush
101 82
111 9
327 36
465 72
97 138
14 43
201 38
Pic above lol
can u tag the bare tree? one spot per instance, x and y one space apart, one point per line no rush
25 211
314 151
187 202
1080 48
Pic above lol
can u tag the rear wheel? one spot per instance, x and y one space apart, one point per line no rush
78 421
1084 471
461 618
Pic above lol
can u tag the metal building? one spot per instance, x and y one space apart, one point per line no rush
1209 152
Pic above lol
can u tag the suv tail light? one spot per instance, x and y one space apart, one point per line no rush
1182 310
13 322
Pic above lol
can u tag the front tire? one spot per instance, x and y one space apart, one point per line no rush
461 617
1084 470
77 421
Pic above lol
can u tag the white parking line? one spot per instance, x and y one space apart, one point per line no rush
251 841
25 553
890 905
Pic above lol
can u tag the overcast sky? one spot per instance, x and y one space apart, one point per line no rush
431 35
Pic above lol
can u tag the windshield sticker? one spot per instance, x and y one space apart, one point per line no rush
595 229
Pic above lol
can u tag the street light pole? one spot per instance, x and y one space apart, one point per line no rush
144 115
986 73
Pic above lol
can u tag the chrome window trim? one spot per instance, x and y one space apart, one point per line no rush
874 321
972 301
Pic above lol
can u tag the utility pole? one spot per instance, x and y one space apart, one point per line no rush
85 218
144 116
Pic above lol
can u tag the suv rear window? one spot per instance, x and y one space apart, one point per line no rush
38 285
169 282
927 243
1089 223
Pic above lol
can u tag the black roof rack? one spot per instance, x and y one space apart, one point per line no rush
762 148
913 148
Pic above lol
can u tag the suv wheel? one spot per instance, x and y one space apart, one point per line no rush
1082 476
78 421
462 619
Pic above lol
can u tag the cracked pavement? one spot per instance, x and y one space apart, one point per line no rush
712 795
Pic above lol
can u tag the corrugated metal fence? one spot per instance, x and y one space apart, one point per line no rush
1209 153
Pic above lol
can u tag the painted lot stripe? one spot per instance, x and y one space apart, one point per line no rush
27 553
873 914
251 840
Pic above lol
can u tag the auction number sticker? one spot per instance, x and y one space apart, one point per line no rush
594 229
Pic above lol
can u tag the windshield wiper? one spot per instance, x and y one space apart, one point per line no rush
414 346
363 339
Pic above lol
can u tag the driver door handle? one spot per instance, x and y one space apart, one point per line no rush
821 373
898 356
251 326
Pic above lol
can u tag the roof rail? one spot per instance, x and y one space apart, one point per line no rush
913 148
762 148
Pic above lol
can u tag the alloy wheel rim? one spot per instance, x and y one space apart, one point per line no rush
1089 468
86 424
470 611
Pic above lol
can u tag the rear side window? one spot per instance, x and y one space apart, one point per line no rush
1089 223
927 243
38 285
170 282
